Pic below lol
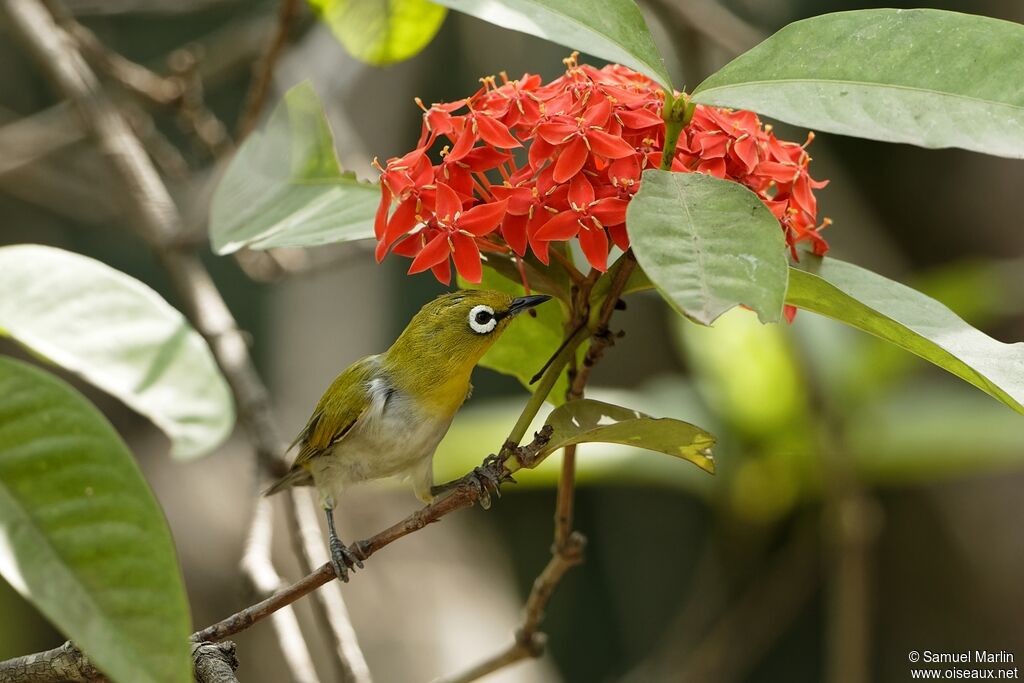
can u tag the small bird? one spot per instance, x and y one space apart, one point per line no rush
385 414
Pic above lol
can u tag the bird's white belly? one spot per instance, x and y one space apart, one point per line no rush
391 440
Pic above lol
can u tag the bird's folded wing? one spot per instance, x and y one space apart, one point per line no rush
339 410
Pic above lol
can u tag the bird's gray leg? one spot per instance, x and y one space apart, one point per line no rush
342 558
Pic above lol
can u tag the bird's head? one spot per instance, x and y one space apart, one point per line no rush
453 331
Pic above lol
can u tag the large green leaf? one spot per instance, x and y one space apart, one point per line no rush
285 187
381 31
585 421
708 245
81 536
118 334
911 320
923 76
528 341
610 29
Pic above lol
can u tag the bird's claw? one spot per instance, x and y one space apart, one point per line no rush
343 560
488 478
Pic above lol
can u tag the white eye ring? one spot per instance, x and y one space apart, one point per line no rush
482 320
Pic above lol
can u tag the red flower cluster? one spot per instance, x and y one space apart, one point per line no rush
528 164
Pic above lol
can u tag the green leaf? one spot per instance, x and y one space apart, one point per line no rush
610 29
285 188
81 536
529 341
586 421
121 336
707 245
912 321
381 32
927 77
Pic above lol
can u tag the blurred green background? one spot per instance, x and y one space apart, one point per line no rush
865 505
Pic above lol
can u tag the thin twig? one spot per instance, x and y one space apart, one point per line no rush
257 95
462 496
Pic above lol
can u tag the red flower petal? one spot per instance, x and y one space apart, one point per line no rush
619 236
513 229
610 210
409 246
562 227
402 221
540 152
483 218
485 158
381 219
594 243
495 133
598 113
639 118
789 312
463 145
571 160
435 252
745 151
581 193
443 272
555 132
608 145
467 258
447 205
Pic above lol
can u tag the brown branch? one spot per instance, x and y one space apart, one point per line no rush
211 663
464 495
257 95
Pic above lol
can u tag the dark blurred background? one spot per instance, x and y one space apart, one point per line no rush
866 504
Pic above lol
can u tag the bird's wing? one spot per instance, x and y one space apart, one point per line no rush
341 407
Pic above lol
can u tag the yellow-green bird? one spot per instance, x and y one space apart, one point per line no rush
385 414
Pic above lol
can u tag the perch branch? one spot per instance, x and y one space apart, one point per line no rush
462 496
211 663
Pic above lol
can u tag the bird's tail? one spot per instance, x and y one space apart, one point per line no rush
296 476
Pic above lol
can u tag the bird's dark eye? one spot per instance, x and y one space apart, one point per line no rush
482 317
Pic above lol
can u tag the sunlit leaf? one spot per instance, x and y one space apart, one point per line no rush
586 421
708 245
381 31
610 29
923 76
911 320
285 188
121 336
81 536
747 374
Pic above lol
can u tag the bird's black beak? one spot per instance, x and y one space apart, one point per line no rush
522 303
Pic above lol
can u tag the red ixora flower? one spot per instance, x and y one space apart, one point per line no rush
588 135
